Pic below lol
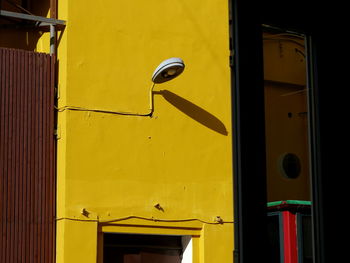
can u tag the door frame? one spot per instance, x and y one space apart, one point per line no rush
249 159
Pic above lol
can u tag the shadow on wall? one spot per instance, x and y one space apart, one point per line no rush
193 111
20 34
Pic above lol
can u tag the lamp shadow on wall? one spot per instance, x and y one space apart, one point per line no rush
193 111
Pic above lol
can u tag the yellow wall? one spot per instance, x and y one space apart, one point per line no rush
113 169
117 167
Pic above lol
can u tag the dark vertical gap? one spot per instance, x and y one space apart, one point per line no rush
38 174
18 151
6 155
249 133
1 152
45 200
48 160
32 161
48 175
29 154
44 244
44 172
16 156
3 141
53 177
21 154
51 161
9 158
24 150
12 156
41 197
2 157
16 187
316 216
49 138
36 103
44 158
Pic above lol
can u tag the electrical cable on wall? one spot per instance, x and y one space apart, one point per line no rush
77 108
218 220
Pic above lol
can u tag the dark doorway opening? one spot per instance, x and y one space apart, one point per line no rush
139 248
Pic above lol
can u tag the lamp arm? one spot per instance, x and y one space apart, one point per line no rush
151 100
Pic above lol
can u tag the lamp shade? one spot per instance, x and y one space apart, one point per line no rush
168 69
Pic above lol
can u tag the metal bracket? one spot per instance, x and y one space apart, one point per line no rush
53 24
42 20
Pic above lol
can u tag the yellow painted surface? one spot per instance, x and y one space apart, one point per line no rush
113 170
215 243
116 167
77 241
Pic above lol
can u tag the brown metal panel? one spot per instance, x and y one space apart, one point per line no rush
10 158
53 8
2 153
2 179
16 154
25 154
32 143
52 159
21 160
4 146
27 157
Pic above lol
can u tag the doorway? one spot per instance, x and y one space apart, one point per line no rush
142 248
286 115
277 162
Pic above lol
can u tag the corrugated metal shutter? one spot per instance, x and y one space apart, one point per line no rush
27 157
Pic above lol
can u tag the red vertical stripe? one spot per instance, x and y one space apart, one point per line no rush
290 237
